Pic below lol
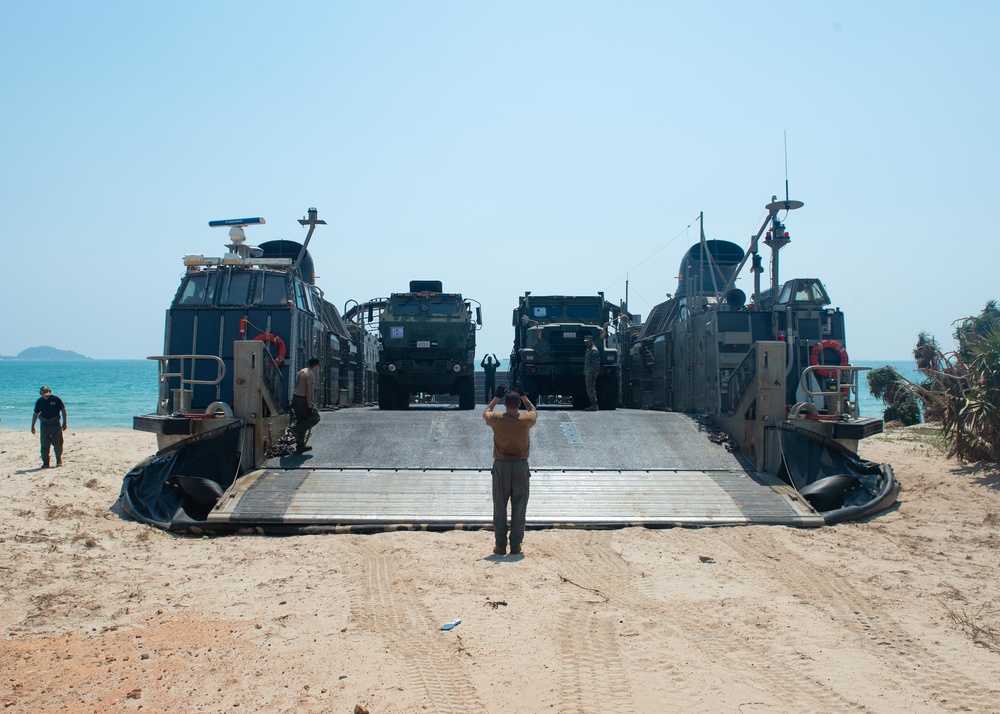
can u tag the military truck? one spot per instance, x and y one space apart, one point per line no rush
548 352
427 344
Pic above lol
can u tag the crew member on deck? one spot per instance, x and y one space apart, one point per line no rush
591 368
490 370
306 415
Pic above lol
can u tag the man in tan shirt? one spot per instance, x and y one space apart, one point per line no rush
511 446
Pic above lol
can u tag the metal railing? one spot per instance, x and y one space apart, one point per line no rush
273 381
181 397
740 380
842 390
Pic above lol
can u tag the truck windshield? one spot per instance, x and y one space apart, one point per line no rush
583 313
408 307
443 308
546 313
568 312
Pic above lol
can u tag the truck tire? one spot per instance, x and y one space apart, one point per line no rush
607 393
402 397
467 394
386 394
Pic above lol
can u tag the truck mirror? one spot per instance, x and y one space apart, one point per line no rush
371 313
479 316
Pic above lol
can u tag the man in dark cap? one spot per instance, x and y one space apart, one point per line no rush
49 407
591 366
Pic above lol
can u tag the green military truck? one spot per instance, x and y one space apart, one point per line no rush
548 352
427 344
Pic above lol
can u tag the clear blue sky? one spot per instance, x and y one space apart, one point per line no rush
499 147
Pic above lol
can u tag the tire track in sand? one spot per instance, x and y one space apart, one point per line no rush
396 613
593 676
596 566
909 660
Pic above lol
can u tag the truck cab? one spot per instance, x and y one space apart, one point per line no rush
548 352
427 344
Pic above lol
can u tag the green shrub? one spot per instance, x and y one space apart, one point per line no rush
901 404
962 389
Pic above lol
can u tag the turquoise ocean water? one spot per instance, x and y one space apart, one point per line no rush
106 394
98 394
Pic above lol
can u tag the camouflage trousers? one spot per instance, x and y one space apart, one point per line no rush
592 390
305 419
52 438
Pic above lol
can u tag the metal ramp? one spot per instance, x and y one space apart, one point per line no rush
428 467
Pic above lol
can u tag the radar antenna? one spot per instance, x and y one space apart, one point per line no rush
237 236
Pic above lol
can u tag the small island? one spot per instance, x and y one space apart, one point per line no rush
47 353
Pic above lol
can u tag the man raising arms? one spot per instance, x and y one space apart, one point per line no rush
511 444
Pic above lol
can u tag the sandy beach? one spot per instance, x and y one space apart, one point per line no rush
899 613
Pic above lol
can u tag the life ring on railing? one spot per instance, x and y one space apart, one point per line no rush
277 342
817 350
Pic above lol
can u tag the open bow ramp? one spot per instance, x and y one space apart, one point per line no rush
428 467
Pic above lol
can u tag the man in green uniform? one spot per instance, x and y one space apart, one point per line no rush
49 407
489 365
591 367
511 444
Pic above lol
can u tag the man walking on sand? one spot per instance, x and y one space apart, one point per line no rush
511 444
49 407
306 417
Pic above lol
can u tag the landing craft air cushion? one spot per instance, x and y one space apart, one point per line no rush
234 340
774 374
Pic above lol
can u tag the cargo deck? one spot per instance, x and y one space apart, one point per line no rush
428 467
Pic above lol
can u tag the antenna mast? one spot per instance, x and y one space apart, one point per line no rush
312 221
785 134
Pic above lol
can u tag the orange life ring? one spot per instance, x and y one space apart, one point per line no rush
277 342
817 350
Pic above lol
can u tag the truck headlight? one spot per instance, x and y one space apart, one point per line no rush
456 367
392 368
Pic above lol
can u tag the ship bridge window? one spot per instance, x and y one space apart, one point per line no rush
808 291
270 289
235 288
199 289
443 308
302 298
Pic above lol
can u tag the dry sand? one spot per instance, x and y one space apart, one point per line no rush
99 614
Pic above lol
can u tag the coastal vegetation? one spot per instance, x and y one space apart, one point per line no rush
960 389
